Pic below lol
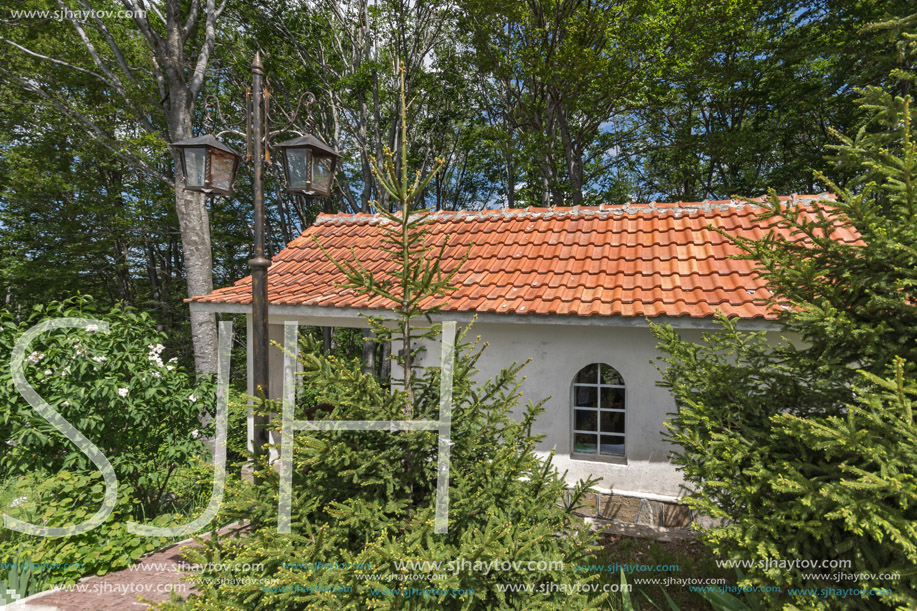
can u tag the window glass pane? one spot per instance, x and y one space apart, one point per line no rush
588 375
585 420
612 444
222 170
612 422
585 443
611 376
321 174
612 398
298 169
195 166
585 396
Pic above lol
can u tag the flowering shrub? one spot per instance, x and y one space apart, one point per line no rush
140 410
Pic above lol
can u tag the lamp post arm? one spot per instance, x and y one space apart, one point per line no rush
234 132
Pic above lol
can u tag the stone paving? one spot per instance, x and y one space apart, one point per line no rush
153 578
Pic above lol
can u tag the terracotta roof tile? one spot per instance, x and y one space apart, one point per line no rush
632 260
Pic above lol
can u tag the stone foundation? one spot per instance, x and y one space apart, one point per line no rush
613 511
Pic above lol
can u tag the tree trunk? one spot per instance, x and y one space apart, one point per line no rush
385 368
369 352
572 157
546 190
510 178
195 242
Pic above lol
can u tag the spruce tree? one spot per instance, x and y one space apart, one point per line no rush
807 451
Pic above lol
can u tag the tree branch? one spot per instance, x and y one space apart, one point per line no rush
115 49
154 40
191 20
94 130
53 60
203 58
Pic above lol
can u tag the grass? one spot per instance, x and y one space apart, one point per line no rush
691 558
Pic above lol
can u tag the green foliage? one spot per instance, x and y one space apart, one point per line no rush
788 481
21 580
804 448
757 104
67 498
351 506
719 601
569 77
857 472
140 410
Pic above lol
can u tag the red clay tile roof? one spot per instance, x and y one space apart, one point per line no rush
633 260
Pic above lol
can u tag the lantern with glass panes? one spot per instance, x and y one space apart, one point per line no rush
209 165
308 166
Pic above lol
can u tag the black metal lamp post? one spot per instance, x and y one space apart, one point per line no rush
209 166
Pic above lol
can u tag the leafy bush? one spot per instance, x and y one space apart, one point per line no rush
141 411
138 407
67 498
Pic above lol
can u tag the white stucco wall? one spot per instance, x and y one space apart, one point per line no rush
559 348
558 353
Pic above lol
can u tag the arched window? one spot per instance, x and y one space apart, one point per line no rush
598 411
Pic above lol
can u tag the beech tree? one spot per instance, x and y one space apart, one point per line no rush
569 75
151 59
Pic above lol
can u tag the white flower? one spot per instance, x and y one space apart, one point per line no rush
195 434
92 328
48 372
99 359
155 351
65 404
155 374
19 501
192 398
122 392
170 367
174 359
35 357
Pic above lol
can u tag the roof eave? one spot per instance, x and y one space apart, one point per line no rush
279 313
